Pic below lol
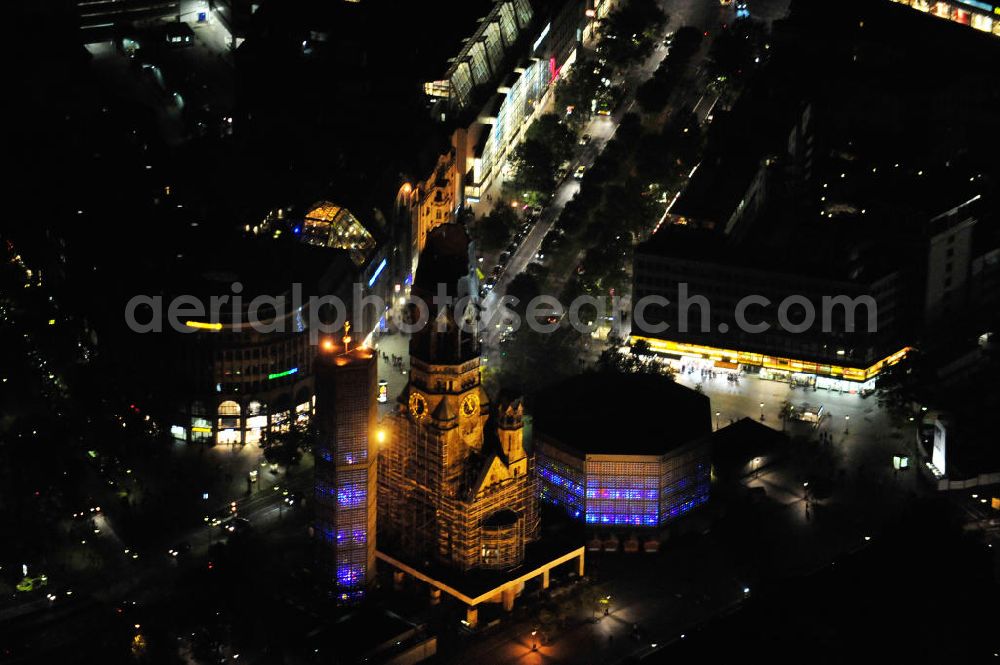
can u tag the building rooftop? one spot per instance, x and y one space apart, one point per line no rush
637 414
261 266
735 445
841 116
367 635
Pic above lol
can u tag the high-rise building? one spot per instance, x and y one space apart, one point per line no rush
949 263
346 451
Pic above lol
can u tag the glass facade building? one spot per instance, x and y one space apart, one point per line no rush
635 490
345 453
622 450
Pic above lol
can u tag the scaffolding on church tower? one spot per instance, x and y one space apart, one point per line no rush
448 490
427 508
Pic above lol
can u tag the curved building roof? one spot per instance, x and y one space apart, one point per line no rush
330 225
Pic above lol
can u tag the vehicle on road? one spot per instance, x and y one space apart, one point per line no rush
221 518
29 584
580 170
605 106
239 525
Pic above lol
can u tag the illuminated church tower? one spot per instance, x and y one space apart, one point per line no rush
346 451
450 488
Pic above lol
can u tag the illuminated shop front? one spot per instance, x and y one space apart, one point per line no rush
826 375
256 422
979 15
642 460
255 384
240 421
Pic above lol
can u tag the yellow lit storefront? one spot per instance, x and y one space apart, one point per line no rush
977 14
862 376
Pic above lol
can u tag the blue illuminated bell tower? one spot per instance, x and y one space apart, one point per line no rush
346 472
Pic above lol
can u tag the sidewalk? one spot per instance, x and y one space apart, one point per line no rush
394 344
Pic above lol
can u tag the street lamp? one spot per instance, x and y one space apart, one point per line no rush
534 640
762 411
717 414
847 424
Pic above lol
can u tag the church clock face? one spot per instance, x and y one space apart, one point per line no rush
418 405
470 405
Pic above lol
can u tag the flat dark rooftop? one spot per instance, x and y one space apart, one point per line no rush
605 413
357 635
262 266
734 446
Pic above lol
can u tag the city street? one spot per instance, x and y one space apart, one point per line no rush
138 578
592 494
706 16
183 86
